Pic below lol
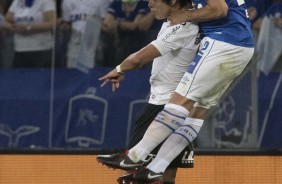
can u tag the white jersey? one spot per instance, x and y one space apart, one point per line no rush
29 15
178 49
77 12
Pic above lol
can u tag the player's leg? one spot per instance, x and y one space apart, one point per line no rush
167 121
175 143
143 119
147 115
163 125
142 122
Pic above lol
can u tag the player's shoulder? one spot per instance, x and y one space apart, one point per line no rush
186 27
178 33
180 28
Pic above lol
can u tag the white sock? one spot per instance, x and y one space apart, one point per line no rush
163 125
175 143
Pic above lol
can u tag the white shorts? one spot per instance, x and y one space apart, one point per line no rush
214 68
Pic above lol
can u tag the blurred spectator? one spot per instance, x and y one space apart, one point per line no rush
121 30
269 47
262 7
32 23
83 20
151 28
252 10
6 39
6 4
151 25
2 27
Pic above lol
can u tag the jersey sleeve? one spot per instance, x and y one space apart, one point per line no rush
175 37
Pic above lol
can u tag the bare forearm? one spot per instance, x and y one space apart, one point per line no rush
140 58
213 10
206 13
131 63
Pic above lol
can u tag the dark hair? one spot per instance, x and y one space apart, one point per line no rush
182 3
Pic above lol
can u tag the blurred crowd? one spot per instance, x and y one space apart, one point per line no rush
87 33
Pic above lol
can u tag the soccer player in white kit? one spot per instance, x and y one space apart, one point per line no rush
75 15
225 50
172 51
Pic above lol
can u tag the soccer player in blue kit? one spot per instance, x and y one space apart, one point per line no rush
225 50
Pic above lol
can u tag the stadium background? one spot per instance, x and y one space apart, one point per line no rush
53 121
57 150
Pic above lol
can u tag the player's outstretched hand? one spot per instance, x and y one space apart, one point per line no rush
114 77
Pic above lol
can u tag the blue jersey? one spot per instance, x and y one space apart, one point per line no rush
235 28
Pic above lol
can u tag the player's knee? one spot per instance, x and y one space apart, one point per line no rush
172 116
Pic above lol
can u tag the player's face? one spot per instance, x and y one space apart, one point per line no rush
160 8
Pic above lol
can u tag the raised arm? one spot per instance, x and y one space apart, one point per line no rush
134 61
213 10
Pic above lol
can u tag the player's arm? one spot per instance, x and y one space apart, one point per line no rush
134 61
213 10
140 58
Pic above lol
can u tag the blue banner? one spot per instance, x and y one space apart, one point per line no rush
66 108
